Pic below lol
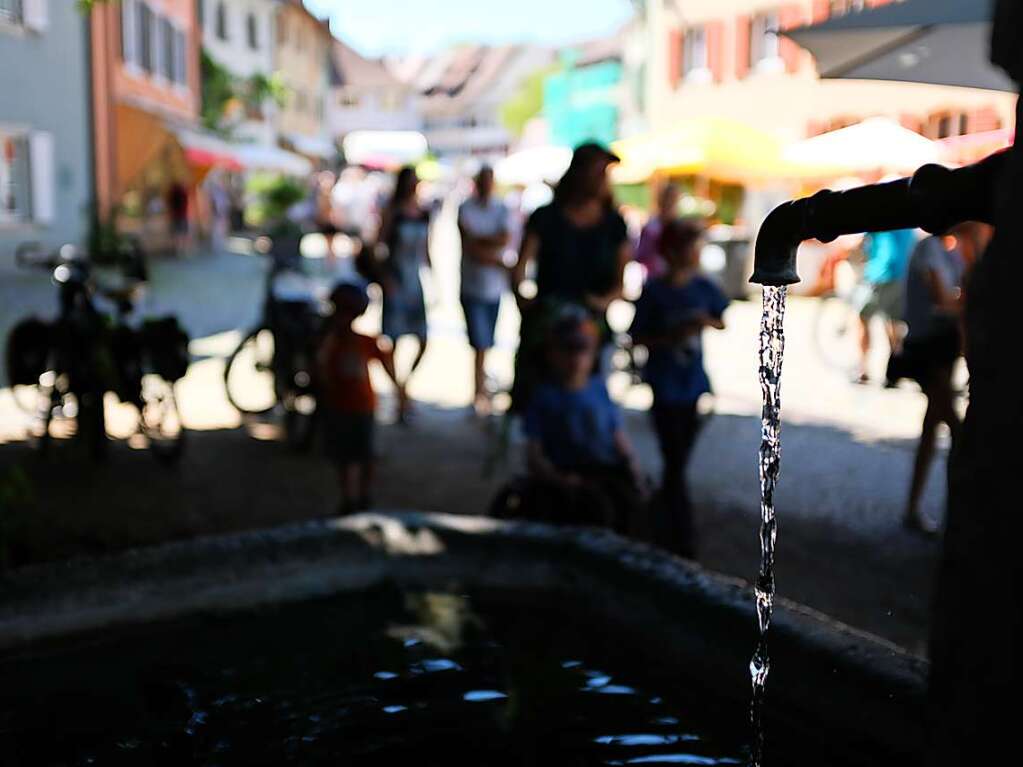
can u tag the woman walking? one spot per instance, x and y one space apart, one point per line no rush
405 238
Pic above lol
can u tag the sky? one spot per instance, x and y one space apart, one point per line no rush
379 27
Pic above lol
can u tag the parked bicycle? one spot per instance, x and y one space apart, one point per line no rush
273 366
60 371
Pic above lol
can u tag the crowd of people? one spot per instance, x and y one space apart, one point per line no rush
564 264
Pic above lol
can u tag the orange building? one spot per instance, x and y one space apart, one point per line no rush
146 95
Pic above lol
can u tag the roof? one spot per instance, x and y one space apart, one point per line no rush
350 68
300 6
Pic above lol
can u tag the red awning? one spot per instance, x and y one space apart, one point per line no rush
205 158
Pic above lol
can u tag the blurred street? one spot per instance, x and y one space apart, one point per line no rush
846 464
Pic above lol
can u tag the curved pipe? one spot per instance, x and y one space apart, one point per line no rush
934 199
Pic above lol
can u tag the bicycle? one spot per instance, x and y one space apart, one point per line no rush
273 365
60 371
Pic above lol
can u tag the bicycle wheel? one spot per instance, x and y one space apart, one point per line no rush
160 420
249 374
834 334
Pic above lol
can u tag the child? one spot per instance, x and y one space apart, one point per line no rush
578 452
670 317
347 396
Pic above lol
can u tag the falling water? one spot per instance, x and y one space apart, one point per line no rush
772 350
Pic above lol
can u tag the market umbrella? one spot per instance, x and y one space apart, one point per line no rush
533 165
875 144
942 42
718 148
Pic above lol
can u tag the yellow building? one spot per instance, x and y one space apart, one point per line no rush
302 51
722 58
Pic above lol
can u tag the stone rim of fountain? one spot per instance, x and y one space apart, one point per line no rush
825 672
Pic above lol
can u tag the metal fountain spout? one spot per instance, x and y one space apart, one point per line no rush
934 199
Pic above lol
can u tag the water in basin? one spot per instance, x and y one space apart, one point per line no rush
383 677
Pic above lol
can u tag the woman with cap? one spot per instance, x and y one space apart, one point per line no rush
579 245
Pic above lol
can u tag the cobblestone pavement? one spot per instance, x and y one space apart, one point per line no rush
845 472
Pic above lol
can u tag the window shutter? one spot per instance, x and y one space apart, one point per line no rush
742 40
715 32
35 14
790 17
675 45
821 10
43 178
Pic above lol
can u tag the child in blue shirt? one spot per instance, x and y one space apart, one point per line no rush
578 451
671 315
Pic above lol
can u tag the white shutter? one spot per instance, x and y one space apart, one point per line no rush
156 46
35 14
40 159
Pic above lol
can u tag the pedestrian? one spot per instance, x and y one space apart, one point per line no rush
933 344
648 253
882 289
582 465
579 246
404 237
324 218
484 224
671 315
347 397
177 213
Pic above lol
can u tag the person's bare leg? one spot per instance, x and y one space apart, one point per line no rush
864 339
940 409
481 403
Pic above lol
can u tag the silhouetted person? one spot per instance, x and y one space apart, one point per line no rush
177 215
405 232
671 315
648 251
485 227
881 291
346 396
579 245
578 453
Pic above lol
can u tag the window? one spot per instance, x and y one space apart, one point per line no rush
348 98
764 45
146 49
282 32
167 49
221 28
841 7
694 51
129 32
11 12
252 31
27 189
15 184
180 73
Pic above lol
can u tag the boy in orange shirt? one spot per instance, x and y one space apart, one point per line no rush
347 397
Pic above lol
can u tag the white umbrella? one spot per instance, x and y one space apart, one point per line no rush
943 42
536 164
874 144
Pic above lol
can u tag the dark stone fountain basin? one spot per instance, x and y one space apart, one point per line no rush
846 696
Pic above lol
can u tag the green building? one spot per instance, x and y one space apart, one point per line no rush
581 101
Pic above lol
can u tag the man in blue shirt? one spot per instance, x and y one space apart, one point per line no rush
881 292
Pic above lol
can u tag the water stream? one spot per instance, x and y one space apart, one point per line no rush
772 350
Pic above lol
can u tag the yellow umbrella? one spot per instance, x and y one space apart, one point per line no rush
718 148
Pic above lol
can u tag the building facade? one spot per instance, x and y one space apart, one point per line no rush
240 36
723 58
364 95
582 101
463 91
145 88
301 56
45 151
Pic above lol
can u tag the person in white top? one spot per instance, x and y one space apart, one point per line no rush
485 227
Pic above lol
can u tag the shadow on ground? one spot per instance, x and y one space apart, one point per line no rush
841 548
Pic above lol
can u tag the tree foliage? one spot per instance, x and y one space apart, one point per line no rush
526 103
